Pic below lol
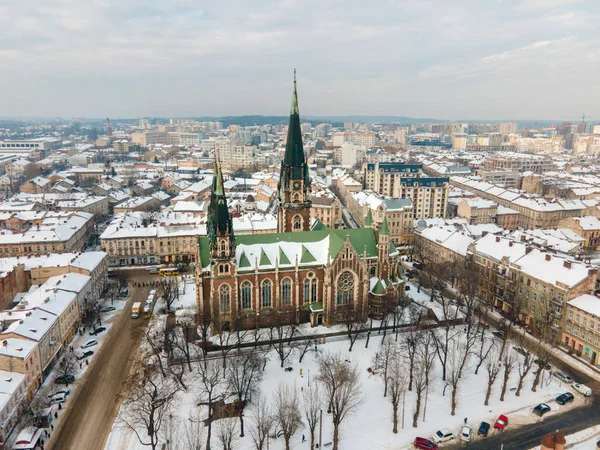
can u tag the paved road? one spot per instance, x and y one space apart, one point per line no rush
90 415
530 436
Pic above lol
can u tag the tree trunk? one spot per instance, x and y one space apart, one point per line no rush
336 435
395 406
287 442
351 343
241 422
385 385
410 373
504 383
368 337
312 438
454 392
520 386
536 381
417 410
209 431
488 393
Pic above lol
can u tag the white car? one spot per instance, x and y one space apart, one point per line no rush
582 389
89 344
58 398
443 435
465 434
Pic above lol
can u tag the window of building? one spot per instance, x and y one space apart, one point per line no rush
571 315
306 290
345 289
286 291
225 298
313 290
297 225
266 294
246 295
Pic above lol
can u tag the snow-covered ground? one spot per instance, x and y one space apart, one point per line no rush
371 426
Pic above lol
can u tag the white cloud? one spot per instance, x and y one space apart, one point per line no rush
215 58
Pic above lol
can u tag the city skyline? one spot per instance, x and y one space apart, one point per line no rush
502 60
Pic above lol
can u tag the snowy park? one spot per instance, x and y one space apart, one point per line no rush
285 396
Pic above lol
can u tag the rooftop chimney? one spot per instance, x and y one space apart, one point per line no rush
497 238
567 264
548 257
510 244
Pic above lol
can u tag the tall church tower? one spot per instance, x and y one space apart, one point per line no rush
219 224
293 212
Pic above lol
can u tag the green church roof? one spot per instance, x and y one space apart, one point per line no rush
307 257
283 259
384 227
264 259
369 219
244 262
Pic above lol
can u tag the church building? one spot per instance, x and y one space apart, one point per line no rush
304 272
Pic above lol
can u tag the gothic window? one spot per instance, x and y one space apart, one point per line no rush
296 198
297 223
224 298
246 295
313 290
345 289
223 248
286 291
266 294
306 290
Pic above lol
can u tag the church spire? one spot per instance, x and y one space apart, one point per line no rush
294 150
219 222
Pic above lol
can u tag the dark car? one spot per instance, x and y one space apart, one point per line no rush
108 309
565 398
541 409
484 429
425 444
65 379
97 331
546 365
85 355
409 275
407 288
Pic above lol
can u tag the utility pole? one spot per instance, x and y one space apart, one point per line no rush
403 405
321 429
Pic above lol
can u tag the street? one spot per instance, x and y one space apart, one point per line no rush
530 436
89 416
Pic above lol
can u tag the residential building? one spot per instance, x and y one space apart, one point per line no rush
478 210
581 328
587 227
326 208
19 355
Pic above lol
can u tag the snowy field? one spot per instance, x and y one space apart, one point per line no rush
370 427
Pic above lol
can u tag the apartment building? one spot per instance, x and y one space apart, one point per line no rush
520 162
581 328
504 178
59 232
441 244
13 391
95 205
587 227
326 208
429 195
477 210
366 139
37 185
19 355
150 138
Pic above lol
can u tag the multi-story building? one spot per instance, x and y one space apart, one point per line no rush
581 328
587 227
508 127
429 195
504 178
366 139
22 356
520 162
326 208
150 138
478 210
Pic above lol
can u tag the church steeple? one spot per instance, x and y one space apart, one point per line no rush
219 224
294 182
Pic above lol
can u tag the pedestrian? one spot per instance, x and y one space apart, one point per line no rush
303 438
56 414
59 406
80 366
87 363
51 427
465 420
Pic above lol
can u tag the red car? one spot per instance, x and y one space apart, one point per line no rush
425 444
501 423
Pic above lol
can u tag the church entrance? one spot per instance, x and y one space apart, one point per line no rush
320 319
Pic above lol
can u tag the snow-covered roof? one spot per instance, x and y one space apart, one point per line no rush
552 269
588 303
498 247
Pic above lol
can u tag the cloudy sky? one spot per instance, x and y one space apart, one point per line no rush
468 59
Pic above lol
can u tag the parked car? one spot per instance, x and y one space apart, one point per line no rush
407 288
565 398
97 331
57 398
562 377
546 366
425 444
465 433
85 355
65 391
65 379
108 309
541 409
582 389
501 422
409 275
484 429
499 334
443 435
453 302
89 344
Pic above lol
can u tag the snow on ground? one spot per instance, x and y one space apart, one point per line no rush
371 426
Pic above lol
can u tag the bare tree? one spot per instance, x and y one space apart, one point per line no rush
180 339
169 287
148 403
171 432
388 351
193 433
156 341
312 407
486 345
211 389
524 365
397 385
354 325
410 343
459 355
508 362
305 345
493 365
346 398
281 335
443 339
244 375
67 364
423 370
227 433
287 412
263 423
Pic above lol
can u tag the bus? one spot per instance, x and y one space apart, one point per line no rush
169 272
